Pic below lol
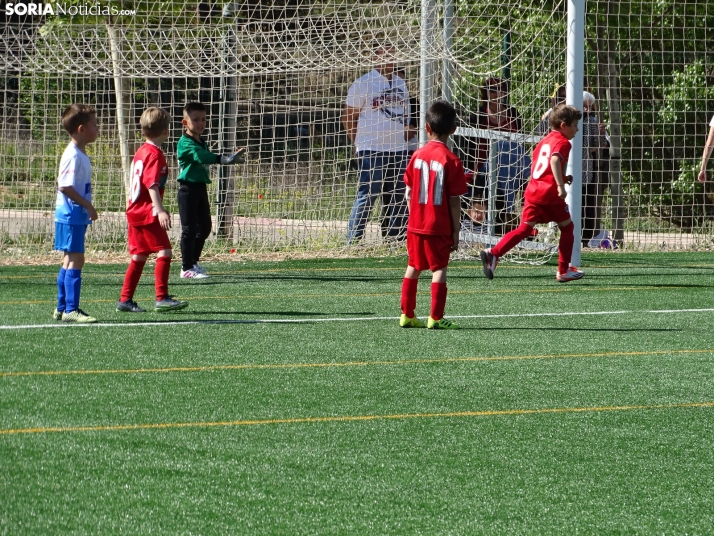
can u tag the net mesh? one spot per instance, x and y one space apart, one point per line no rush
274 76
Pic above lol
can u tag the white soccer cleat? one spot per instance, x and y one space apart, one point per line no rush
192 274
200 269
573 274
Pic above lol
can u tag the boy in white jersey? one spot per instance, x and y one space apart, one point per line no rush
74 210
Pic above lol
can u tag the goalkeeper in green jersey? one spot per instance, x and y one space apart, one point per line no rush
194 209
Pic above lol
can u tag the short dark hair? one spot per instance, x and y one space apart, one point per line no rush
441 117
76 115
154 121
193 107
564 113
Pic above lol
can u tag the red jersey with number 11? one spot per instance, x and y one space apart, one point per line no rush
542 188
149 168
434 174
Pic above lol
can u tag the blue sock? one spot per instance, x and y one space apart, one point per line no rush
72 286
60 290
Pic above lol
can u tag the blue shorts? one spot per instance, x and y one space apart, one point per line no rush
69 238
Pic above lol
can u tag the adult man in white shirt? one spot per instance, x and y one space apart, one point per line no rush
376 118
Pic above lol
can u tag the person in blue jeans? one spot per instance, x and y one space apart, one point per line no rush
380 177
376 119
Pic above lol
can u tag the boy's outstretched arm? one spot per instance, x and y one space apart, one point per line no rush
71 193
455 210
202 156
235 158
199 154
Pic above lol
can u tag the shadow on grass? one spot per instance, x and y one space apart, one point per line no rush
594 330
207 322
269 313
147 281
258 278
546 280
651 260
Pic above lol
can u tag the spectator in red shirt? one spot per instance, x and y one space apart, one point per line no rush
494 113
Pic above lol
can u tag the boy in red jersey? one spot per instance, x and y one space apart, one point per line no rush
147 217
435 181
545 195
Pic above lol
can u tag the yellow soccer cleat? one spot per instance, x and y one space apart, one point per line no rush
79 317
407 322
441 324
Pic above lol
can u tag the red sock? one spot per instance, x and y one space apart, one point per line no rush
131 279
511 240
438 300
161 276
565 247
409 294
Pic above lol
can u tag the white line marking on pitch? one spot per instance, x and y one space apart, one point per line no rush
348 319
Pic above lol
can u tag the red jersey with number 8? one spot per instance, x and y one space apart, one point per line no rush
434 174
542 188
148 168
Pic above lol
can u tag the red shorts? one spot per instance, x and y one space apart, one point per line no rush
145 239
428 252
533 213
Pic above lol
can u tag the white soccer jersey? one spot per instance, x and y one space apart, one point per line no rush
75 170
711 123
384 110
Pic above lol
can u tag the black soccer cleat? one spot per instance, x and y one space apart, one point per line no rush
129 306
490 261
169 304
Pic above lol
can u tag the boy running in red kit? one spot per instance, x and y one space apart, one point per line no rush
435 181
544 198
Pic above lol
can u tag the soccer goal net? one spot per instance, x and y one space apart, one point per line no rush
275 76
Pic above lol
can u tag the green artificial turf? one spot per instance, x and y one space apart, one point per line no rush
286 400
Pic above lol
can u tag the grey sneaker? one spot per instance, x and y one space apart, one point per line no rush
78 316
57 315
200 269
129 306
169 304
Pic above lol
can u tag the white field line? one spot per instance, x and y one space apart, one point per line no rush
346 319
